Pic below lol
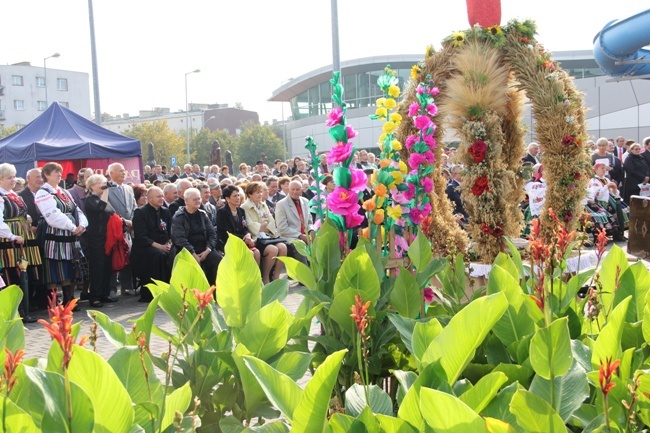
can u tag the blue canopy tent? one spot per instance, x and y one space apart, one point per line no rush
60 134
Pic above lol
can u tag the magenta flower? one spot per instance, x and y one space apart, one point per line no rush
399 197
359 179
429 140
434 91
335 116
339 153
432 109
410 141
353 220
416 216
416 159
427 184
410 193
414 108
342 201
420 89
422 122
351 132
428 295
426 210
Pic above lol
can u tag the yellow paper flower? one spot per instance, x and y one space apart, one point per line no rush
395 212
388 127
382 138
397 146
381 112
393 91
429 51
495 30
415 70
458 39
390 103
396 117
381 102
397 175
380 201
403 167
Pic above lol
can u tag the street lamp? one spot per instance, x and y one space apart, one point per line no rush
284 123
205 124
45 74
187 115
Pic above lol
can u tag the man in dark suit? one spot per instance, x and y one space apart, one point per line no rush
620 148
453 194
646 150
157 174
151 246
121 200
532 156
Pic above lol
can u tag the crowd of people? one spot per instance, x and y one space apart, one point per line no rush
105 237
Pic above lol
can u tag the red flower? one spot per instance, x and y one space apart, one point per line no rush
480 185
569 140
477 150
60 327
605 374
11 363
486 229
497 231
360 314
204 298
601 243
577 176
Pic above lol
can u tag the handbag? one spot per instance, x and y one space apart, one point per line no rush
264 242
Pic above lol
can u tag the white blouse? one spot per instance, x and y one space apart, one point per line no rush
597 191
52 214
5 231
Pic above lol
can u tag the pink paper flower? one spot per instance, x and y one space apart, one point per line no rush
399 197
427 184
416 216
416 159
339 153
419 89
422 122
429 156
414 108
351 132
359 179
335 116
410 193
433 91
342 201
426 210
429 140
410 141
353 220
432 109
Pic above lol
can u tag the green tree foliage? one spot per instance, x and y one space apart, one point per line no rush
6 131
256 140
167 143
201 145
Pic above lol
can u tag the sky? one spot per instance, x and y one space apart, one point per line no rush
246 49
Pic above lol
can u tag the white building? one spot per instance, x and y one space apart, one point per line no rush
24 95
175 121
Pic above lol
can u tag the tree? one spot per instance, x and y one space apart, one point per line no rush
256 140
167 143
201 144
6 131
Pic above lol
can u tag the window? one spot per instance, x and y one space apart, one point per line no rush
62 84
17 80
40 81
42 105
19 104
64 104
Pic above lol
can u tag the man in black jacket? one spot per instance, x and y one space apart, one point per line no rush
151 245
193 230
181 186
453 194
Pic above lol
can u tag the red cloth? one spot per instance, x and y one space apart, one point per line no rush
116 245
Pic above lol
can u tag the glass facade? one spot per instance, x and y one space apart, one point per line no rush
360 89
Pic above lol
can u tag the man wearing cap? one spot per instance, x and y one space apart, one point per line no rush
259 168
215 196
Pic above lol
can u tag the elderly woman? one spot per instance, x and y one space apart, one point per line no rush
17 238
231 219
64 223
636 172
598 193
261 226
100 263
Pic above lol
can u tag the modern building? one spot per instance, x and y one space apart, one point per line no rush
614 108
26 91
211 116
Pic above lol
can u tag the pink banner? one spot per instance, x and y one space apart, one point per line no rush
133 167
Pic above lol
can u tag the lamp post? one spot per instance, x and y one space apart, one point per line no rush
187 115
45 74
284 123
205 124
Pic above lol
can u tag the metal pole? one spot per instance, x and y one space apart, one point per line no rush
336 60
45 78
93 53
284 132
187 115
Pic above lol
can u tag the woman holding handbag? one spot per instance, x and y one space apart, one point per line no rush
64 224
261 225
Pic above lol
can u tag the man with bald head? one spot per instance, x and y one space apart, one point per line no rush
292 214
181 187
151 245
170 192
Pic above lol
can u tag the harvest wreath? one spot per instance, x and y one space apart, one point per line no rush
483 75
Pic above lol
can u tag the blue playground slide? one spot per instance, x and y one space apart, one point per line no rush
618 47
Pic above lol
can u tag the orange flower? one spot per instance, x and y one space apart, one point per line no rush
204 298
379 217
369 205
12 360
605 374
360 314
60 327
381 190
365 232
384 163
